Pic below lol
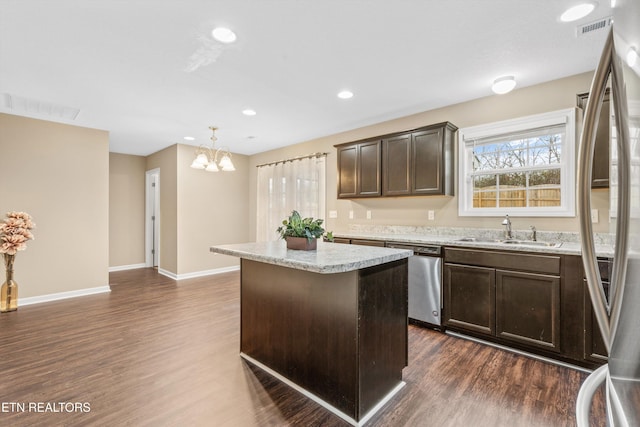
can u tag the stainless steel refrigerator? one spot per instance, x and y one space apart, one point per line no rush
618 314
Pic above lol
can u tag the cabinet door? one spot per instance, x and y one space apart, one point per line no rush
369 169
347 171
427 162
594 348
528 309
396 162
469 298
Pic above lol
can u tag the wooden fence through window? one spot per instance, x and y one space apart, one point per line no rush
539 196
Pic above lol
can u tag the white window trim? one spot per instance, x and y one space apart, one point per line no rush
568 169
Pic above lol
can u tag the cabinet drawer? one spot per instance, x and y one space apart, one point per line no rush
365 242
547 264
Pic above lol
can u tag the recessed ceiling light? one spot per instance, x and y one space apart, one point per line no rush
632 57
345 94
503 85
189 138
577 12
249 112
224 35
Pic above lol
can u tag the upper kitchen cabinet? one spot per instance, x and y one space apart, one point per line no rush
359 169
600 171
419 162
413 163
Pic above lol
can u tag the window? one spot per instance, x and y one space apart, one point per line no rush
520 167
298 184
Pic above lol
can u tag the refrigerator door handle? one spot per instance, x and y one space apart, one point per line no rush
607 315
585 395
585 160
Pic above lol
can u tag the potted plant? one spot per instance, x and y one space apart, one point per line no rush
301 233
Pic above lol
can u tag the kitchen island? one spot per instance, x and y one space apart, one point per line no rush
331 323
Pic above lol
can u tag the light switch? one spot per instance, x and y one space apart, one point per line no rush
350 214
594 216
368 214
333 214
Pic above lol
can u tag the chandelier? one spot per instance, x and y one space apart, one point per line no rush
207 157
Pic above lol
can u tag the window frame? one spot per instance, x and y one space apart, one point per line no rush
567 208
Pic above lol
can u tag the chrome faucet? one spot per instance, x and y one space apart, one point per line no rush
507 223
534 233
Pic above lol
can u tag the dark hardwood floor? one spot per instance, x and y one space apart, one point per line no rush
156 352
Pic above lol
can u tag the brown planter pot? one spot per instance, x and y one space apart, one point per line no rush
301 243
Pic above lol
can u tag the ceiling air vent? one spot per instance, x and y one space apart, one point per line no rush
594 27
23 105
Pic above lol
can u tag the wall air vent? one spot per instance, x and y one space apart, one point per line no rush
594 27
29 106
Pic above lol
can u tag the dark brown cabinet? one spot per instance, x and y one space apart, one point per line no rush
411 163
396 158
509 296
594 347
469 298
528 308
365 242
419 162
600 170
359 169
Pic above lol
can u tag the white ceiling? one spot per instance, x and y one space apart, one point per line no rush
149 72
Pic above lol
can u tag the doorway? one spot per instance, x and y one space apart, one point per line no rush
152 218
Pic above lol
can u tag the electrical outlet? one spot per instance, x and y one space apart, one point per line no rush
594 216
368 214
333 214
350 214
431 215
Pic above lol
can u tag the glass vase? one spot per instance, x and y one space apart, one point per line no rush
9 291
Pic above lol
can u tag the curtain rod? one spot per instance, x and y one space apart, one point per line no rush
293 159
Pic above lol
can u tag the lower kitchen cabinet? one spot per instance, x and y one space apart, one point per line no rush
528 308
469 298
594 347
530 301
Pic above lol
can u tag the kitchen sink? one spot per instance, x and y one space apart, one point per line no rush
477 239
511 242
532 243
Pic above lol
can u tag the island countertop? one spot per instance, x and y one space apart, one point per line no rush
328 258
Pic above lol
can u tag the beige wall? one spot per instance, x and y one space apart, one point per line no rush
198 209
213 209
545 97
166 161
126 209
60 175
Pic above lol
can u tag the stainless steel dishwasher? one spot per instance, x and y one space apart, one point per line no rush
425 277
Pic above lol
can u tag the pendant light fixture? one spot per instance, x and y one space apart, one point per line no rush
207 157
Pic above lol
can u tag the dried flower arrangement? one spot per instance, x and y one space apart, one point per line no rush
15 231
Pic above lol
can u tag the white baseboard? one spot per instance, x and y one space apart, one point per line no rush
127 267
62 295
195 274
167 273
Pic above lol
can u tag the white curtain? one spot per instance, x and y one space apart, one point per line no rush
291 185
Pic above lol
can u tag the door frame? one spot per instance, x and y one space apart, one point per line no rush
152 228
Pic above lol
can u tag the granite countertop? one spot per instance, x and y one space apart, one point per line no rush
566 248
328 258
